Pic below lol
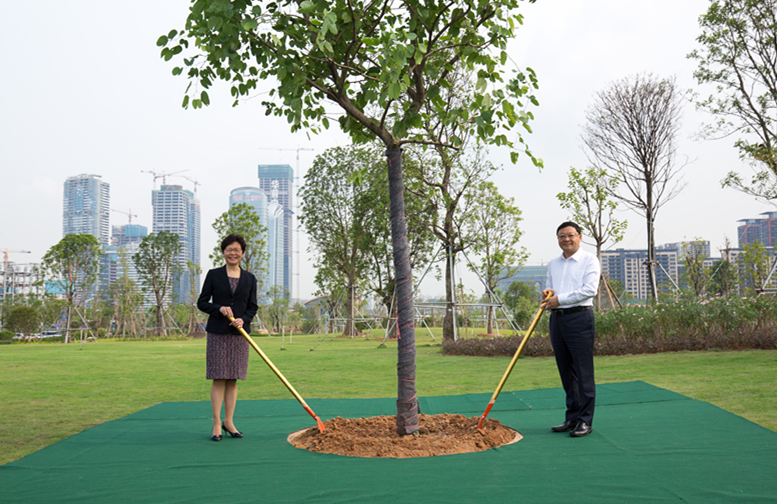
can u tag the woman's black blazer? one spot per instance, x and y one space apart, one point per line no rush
217 293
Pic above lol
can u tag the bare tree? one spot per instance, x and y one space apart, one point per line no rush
630 131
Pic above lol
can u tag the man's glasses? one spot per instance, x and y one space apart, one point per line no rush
565 237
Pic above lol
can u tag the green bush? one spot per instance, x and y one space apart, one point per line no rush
6 335
730 323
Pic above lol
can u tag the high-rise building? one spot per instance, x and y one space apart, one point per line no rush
128 233
257 200
178 211
86 207
277 182
761 229
276 234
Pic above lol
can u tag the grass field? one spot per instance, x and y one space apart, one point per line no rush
52 391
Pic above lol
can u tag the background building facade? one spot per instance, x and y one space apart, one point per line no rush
277 183
178 211
86 207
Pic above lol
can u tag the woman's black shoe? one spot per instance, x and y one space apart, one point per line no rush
216 438
233 434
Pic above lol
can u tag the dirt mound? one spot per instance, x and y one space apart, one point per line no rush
377 437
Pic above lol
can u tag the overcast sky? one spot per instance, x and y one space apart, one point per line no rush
84 91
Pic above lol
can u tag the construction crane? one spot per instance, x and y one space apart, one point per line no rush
9 251
296 212
129 214
162 175
193 181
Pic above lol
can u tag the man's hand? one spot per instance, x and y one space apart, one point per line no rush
551 302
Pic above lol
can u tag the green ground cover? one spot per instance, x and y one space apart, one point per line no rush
51 391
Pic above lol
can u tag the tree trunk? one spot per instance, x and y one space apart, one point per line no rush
67 327
651 251
350 301
407 401
448 327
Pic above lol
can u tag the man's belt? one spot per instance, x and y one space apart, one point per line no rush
567 311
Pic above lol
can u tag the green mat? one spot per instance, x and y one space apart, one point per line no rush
648 445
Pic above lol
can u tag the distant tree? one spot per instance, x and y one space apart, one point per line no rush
22 318
753 265
630 131
523 300
332 211
157 265
385 65
127 298
724 274
243 220
695 275
589 201
443 180
278 309
738 56
495 235
194 271
73 265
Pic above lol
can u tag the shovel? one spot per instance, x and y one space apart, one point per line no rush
267 361
536 319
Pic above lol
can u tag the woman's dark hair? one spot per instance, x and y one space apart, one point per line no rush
229 240
569 224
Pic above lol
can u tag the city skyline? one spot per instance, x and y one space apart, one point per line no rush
124 116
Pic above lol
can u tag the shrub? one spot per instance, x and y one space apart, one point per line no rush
6 335
730 323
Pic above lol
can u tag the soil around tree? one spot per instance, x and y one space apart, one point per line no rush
443 434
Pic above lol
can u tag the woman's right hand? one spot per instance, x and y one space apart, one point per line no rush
226 311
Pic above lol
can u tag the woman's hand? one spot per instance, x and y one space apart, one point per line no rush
238 322
226 311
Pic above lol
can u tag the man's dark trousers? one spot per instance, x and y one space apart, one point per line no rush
572 337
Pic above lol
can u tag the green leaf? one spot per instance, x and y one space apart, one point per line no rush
204 97
161 41
185 103
177 70
307 7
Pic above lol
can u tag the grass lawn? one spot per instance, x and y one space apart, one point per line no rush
52 391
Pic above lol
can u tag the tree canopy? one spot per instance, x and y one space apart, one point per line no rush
157 264
738 55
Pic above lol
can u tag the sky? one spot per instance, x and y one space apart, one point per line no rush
85 91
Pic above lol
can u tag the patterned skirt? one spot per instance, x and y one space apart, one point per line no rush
226 357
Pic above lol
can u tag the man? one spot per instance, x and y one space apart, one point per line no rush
573 279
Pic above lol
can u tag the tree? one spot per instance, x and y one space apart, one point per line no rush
522 299
278 309
589 201
242 219
724 276
738 55
157 264
23 319
127 298
630 131
694 274
374 206
753 265
195 270
443 179
385 65
73 265
332 212
495 232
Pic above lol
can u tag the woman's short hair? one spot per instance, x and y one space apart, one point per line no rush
229 240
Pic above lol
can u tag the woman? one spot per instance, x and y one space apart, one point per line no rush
228 292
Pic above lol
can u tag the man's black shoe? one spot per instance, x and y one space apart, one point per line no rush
565 427
581 429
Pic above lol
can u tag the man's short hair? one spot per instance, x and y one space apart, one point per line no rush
569 224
